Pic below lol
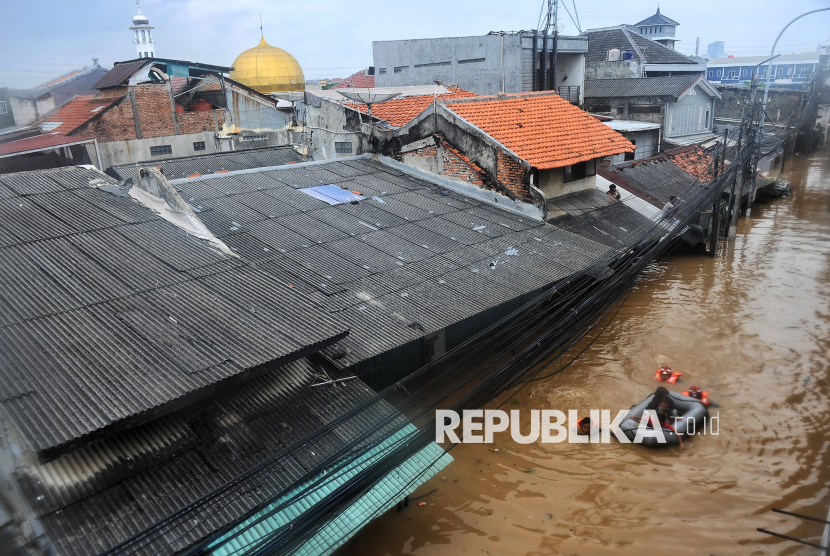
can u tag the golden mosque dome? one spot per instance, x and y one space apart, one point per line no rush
268 69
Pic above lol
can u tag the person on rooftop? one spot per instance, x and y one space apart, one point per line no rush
613 193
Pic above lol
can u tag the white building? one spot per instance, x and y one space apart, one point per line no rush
144 42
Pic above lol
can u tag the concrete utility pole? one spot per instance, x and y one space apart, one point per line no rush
772 54
714 235
755 137
737 183
549 83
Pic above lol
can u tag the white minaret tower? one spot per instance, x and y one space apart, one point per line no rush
144 42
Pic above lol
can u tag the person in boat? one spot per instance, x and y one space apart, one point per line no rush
664 422
667 406
613 193
659 394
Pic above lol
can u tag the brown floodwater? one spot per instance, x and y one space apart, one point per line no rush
751 327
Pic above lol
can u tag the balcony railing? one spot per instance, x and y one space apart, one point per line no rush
570 93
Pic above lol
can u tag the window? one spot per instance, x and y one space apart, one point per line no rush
471 61
746 72
254 137
718 73
630 156
399 69
580 170
145 55
3 108
780 71
432 64
161 150
711 74
789 71
342 148
805 72
708 123
731 74
143 37
199 146
382 71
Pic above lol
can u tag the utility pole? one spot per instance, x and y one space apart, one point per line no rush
737 183
697 46
754 135
714 235
549 83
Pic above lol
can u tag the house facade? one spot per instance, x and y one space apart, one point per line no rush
788 71
683 106
530 147
145 113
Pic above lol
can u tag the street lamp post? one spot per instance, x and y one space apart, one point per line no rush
772 53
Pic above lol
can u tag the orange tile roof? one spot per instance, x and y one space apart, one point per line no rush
401 111
59 79
694 159
358 79
543 129
74 113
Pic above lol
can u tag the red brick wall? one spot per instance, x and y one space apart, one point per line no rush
197 122
154 116
115 124
456 167
511 176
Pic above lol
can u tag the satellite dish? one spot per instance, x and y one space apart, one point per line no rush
369 96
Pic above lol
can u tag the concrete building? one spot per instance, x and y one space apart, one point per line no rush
21 107
683 106
157 109
145 44
793 71
488 64
716 50
659 28
619 52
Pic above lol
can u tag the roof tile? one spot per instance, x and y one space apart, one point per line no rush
399 112
75 113
545 130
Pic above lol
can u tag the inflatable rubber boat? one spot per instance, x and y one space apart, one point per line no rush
692 413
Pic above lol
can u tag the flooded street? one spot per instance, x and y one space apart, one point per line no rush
751 327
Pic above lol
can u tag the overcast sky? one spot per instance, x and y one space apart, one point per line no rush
41 40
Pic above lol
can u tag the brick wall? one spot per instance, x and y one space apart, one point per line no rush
115 124
154 116
511 176
459 167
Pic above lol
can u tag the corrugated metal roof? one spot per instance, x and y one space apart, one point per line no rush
383 496
39 142
95 286
101 494
180 167
640 87
120 74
